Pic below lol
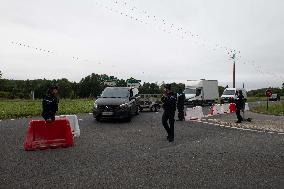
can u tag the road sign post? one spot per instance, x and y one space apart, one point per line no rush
268 93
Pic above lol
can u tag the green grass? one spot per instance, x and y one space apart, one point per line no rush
28 108
273 109
254 99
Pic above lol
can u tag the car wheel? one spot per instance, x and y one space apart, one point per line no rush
156 109
98 119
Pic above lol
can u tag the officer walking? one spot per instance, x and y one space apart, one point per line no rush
239 105
169 106
50 104
180 105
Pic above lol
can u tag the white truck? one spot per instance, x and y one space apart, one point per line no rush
201 92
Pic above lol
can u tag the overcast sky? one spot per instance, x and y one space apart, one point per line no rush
151 40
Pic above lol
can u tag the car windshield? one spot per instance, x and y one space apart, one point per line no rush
229 92
274 95
190 91
115 93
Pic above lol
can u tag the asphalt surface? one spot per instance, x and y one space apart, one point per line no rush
137 155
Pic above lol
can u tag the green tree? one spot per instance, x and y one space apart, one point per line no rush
221 90
149 88
121 83
65 88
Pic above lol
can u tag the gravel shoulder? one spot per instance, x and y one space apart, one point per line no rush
259 121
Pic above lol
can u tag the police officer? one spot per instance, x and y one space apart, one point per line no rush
169 106
239 105
180 105
50 104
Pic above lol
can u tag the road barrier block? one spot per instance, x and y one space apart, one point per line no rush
213 110
74 123
219 109
226 108
43 135
194 113
246 107
232 107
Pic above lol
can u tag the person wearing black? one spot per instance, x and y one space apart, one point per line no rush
239 105
169 106
180 105
50 104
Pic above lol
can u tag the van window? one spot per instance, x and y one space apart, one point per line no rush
229 92
190 91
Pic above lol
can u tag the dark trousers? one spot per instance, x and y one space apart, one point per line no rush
169 116
238 113
181 114
48 115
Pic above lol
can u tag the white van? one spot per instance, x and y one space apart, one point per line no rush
230 93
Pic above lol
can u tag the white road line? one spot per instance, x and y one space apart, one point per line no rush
205 122
216 124
12 119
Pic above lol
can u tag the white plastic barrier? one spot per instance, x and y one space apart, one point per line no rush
194 113
73 123
226 108
219 109
213 110
246 107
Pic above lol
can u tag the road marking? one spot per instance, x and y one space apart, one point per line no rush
90 113
239 128
12 119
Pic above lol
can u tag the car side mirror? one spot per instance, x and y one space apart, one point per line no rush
198 92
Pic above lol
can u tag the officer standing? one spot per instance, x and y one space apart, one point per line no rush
169 106
180 105
239 105
50 104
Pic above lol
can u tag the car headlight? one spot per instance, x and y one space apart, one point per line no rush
124 105
95 106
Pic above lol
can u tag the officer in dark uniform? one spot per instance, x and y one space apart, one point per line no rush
169 106
239 105
50 104
180 105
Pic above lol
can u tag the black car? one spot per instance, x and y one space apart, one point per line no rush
117 102
274 97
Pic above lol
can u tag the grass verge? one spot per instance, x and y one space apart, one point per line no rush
28 108
273 109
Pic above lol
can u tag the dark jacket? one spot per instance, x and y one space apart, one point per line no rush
180 100
240 102
169 102
49 105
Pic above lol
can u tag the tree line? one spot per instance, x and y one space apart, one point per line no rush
89 87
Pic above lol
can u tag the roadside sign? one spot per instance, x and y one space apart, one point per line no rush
268 92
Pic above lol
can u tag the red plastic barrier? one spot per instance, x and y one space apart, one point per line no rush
43 135
232 107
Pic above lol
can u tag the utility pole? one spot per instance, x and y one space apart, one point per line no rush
234 68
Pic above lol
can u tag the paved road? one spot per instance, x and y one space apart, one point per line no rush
137 155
